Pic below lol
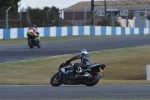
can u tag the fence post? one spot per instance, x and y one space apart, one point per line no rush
7 17
148 72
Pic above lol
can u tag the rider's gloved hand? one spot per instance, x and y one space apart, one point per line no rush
37 33
67 62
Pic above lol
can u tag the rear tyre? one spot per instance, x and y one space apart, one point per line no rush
38 44
93 81
57 79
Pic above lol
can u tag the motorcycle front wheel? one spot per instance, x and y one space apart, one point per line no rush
30 43
57 79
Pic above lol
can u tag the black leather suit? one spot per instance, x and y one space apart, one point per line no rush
85 60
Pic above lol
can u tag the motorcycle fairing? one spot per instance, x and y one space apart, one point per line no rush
97 67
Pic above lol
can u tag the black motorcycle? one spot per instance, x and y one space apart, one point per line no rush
34 42
70 75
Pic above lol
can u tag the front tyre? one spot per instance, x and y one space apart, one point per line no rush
30 43
94 80
57 79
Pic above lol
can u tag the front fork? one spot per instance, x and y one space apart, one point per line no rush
64 76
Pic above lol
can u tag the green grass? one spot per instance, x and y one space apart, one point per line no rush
123 66
23 40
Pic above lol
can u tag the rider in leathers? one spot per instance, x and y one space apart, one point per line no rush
85 59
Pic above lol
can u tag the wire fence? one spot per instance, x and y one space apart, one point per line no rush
26 19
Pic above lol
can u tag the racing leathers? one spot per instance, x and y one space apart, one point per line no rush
85 61
32 31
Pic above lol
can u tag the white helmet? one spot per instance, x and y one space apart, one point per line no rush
83 51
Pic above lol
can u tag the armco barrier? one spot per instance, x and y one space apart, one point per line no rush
14 33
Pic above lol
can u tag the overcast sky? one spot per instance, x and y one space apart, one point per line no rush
42 3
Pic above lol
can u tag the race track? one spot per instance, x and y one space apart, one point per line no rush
15 52
45 92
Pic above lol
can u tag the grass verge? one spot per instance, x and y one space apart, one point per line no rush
24 40
123 66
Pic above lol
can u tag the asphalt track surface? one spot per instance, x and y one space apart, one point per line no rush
21 51
45 92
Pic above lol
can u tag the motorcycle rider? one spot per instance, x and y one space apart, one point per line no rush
32 32
85 60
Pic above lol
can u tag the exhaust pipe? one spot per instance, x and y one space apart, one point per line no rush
86 75
101 75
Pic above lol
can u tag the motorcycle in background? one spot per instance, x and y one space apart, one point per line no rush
34 41
69 75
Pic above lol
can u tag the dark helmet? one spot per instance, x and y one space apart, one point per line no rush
83 51
34 26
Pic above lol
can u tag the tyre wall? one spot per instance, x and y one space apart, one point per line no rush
14 33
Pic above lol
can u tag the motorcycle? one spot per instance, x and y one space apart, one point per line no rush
34 42
68 75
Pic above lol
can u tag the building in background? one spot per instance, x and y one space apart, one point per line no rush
128 12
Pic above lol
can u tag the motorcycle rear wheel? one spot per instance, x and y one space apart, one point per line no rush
38 44
93 81
57 79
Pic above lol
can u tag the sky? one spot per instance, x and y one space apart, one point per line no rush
49 3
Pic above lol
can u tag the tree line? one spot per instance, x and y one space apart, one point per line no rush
4 4
48 16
